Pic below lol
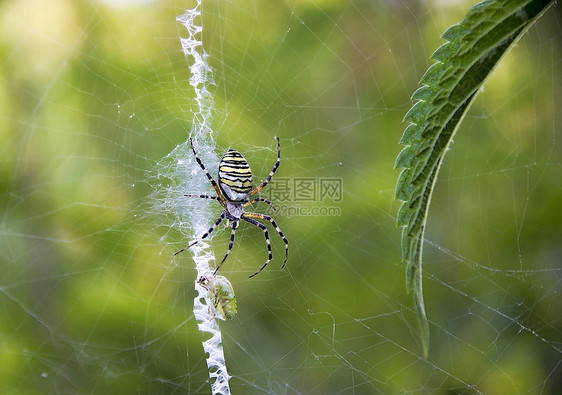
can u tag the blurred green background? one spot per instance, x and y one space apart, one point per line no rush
94 93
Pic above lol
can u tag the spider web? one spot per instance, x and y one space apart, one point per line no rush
95 95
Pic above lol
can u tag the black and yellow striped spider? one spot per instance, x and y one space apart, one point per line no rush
233 193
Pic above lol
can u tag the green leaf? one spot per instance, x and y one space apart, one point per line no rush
473 49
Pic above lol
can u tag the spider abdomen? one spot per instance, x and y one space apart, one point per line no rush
235 176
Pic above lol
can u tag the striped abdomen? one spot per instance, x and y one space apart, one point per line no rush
235 176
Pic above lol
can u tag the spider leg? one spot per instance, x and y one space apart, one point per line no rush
279 232
230 244
218 221
255 200
204 197
267 241
204 170
272 172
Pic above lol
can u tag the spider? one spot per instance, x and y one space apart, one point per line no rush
234 191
